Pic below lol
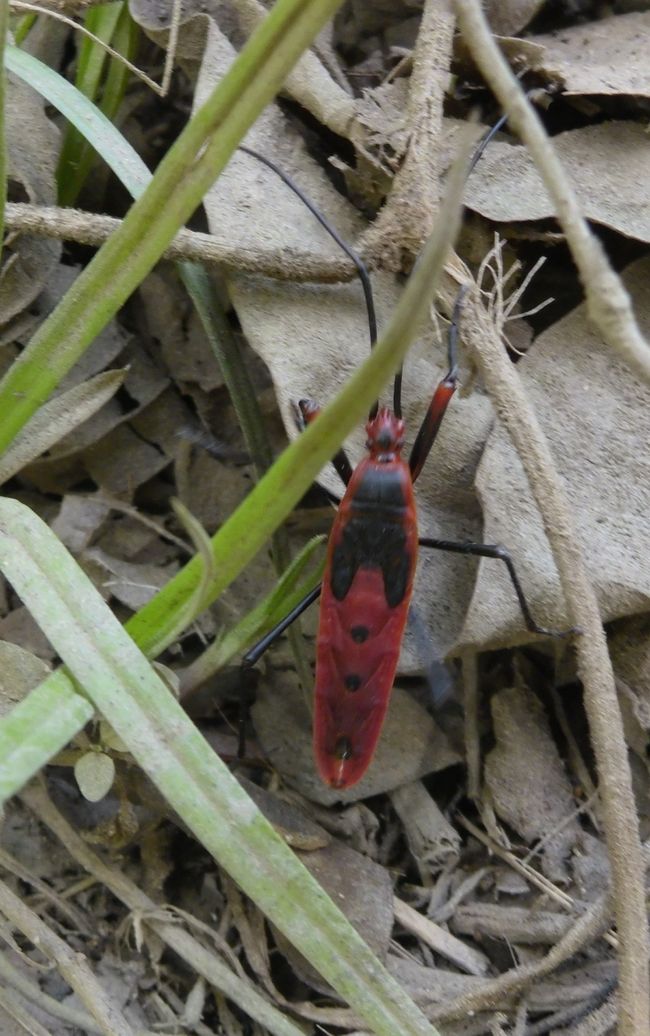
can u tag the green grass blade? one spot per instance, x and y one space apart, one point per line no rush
186 172
4 21
131 696
75 157
288 592
85 116
39 727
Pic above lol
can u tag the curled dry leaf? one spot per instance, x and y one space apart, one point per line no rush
506 187
609 56
526 779
596 415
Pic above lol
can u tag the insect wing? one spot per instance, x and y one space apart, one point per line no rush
364 604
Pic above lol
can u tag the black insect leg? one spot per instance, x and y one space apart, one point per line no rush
309 411
254 654
487 550
442 396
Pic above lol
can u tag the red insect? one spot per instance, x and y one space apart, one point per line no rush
367 587
369 572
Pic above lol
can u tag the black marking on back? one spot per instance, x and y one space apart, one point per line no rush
369 543
343 748
374 537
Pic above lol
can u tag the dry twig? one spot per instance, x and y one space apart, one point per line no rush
73 966
594 665
407 218
88 228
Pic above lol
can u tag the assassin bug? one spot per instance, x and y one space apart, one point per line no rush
370 566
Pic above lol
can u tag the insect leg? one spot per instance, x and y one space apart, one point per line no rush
487 550
428 431
254 654
309 411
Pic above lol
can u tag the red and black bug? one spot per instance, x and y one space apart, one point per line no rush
370 567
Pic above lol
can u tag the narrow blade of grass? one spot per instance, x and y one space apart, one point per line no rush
73 161
132 697
182 178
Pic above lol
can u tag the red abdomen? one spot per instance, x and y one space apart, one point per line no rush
366 592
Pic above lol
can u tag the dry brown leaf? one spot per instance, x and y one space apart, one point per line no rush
527 781
508 17
178 333
57 418
32 153
506 187
609 56
79 520
121 461
596 415
154 17
133 585
18 627
20 672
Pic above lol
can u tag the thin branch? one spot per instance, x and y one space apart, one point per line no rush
608 303
493 993
407 218
87 228
309 83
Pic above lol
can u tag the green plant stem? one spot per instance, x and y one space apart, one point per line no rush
75 157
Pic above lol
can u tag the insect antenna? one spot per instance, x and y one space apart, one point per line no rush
361 267
483 143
